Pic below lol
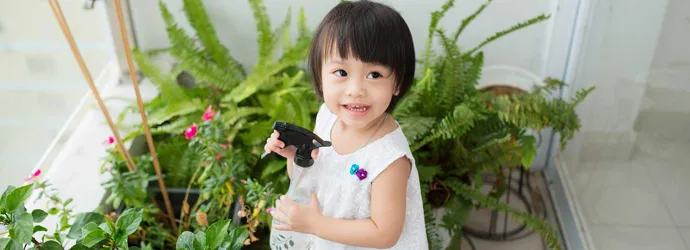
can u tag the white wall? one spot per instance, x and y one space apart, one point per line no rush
236 28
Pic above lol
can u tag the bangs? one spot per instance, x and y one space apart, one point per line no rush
359 35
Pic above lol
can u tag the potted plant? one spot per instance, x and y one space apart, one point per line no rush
459 133
208 135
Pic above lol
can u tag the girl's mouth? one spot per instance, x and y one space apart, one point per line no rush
357 109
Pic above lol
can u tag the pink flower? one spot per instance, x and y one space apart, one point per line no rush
244 181
218 156
209 114
109 141
190 132
33 175
269 210
224 146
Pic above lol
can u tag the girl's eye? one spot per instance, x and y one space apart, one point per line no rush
340 72
374 75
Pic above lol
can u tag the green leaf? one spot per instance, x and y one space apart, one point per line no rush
428 173
237 237
7 192
17 197
185 241
53 211
216 233
94 237
75 232
129 220
108 227
10 244
529 150
79 247
200 240
51 245
39 215
22 228
39 228
4 242
272 168
416 126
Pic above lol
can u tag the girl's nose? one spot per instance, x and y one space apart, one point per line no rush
355 88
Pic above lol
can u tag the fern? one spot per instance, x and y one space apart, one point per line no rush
433 239
516 27
451 126
468 20
416 126
183 48
174 110
436 16
168 89
263 26
194 9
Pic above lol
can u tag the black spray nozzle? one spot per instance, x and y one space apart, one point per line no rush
304 140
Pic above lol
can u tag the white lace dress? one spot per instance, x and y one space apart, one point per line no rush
343 195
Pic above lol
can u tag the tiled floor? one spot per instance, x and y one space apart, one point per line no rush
642 203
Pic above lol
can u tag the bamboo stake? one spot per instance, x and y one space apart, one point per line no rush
144 119
85 71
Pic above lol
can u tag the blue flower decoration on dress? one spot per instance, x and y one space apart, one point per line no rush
353 169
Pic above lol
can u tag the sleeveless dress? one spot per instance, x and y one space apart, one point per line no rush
343 195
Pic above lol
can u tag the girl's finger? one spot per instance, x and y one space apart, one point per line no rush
281 207
315 153
287 201
280 217
284 227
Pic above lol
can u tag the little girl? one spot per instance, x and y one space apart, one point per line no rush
366 185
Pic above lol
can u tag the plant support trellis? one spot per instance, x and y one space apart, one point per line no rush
80 60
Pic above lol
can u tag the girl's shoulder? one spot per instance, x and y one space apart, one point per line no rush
388 149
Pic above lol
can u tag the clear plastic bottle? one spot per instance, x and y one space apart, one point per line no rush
300 192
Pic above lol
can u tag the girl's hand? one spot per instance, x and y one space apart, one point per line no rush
273 144
297 217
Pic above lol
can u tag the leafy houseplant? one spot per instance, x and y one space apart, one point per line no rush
460 133
90 230
276 89
224 188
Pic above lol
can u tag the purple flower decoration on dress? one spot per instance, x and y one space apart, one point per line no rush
361 174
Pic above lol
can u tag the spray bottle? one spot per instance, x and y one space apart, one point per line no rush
299 191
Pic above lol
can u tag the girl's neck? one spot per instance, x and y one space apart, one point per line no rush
363 131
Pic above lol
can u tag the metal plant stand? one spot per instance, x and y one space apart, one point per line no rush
520 194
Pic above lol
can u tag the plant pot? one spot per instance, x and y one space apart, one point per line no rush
176 196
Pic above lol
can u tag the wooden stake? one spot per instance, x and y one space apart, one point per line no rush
142 111
85 71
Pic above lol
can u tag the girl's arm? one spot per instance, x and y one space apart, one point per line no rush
388 206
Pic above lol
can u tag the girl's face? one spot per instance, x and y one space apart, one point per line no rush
357 92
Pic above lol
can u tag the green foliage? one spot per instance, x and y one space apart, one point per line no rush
276 89
460 132
90 230
220 235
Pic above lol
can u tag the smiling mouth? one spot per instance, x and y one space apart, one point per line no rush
357 107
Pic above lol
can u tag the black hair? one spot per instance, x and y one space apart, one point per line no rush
372 32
